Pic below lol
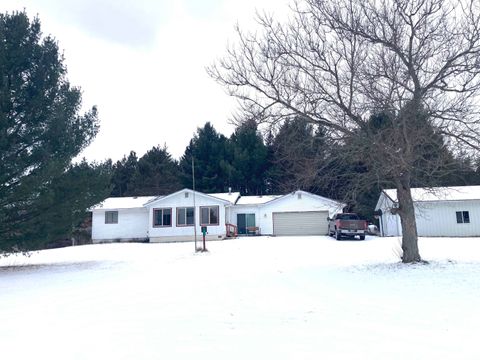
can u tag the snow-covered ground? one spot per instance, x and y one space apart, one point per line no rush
250 298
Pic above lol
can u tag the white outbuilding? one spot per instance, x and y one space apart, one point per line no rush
181 215
441 211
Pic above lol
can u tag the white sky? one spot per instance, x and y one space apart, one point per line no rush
143 64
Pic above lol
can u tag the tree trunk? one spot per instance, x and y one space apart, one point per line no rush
409 225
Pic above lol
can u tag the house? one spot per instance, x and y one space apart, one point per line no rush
441 211
173 217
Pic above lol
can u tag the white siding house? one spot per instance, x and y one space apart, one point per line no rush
452 211
121 219
175 217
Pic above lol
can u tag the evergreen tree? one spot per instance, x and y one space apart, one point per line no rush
41 131
156 174
78 188
297 151
123 173
213 171
249 162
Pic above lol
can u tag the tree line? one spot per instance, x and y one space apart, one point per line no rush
297 155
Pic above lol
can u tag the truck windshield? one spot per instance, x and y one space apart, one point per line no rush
348 217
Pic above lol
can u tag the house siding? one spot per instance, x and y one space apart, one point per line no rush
246 209
439 219
185 233
132 225
389 223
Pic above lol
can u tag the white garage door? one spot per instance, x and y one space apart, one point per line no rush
300 223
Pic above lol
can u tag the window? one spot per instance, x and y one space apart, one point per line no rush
209 215
185 216
111 217
463 217
347 217
162 217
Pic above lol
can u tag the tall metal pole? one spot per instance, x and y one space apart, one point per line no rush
194 208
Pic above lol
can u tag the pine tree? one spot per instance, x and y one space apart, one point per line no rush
41 131
157 173
123 173
297 151
212 161
249 160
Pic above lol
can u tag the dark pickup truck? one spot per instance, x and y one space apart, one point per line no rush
347 225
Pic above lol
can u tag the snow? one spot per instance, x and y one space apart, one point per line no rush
139 201
124 202
232 197
257 200
453 193
248 298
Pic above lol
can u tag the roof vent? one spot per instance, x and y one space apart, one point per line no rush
186 194
299 196
229 191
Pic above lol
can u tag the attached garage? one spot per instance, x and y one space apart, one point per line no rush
300 223
296 213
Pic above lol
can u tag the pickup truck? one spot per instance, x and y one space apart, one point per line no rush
347 225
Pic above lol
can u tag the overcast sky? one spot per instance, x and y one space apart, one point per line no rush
143 64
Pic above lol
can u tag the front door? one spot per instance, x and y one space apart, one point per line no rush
245 221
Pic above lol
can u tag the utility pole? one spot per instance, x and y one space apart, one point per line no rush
194 209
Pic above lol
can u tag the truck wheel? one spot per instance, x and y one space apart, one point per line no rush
362 237
338 236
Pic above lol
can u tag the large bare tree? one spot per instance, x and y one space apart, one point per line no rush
336 63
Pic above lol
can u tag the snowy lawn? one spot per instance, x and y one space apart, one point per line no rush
250 298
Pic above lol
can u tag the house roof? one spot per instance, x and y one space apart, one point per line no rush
232 197
161 198
453 193
318 197
123 202
228 198
257 200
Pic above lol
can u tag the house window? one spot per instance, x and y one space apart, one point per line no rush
111 217
162 217
209 215
185 216
463 217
